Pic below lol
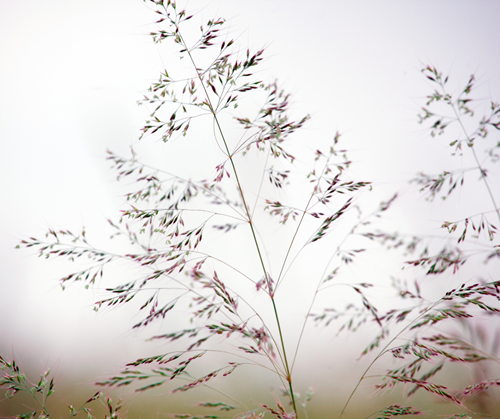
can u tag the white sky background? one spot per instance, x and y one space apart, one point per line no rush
72 71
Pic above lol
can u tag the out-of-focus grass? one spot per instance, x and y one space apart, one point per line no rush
161 403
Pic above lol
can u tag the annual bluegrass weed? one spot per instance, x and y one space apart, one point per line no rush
206 245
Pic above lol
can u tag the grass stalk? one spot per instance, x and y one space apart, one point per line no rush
250 222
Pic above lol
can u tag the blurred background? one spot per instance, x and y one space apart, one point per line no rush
72 73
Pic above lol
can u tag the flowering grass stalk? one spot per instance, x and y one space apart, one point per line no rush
181 232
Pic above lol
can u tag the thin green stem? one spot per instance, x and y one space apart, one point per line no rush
249 217
316 292
282 274
271 292
28 390
383 351
471 146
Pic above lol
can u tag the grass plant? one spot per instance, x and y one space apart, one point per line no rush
218 243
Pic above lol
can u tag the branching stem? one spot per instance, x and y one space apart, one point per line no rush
471 146
249 217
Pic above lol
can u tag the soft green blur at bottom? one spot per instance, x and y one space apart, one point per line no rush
161 403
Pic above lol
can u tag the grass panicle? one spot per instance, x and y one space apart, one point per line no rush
195 241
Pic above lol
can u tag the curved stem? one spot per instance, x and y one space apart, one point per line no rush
360 222
282 271
383 351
